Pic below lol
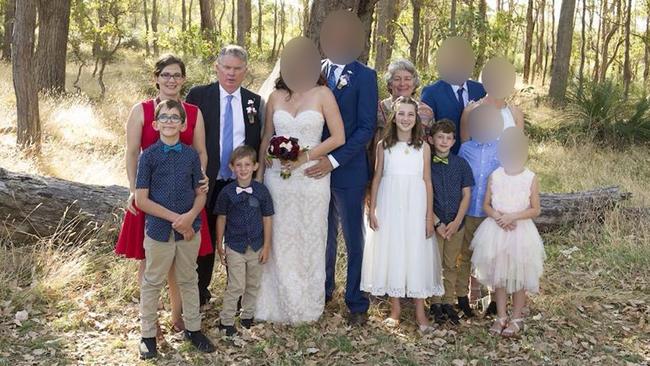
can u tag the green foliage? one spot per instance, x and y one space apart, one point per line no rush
600 113
193 42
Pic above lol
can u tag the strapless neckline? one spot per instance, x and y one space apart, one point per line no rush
299 113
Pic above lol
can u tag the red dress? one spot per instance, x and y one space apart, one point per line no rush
131 238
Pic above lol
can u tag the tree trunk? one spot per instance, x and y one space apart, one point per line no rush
232 22
283 24
34 206
387 14
28 124
482 37
244 23
305 17
646 52
207 21
223 13
528 46
183 16
362 8
560 71
146 30
154 26
627 69
452 18
541 26
50 56
189 14
275 31
259 25
583 41
9 9
413 46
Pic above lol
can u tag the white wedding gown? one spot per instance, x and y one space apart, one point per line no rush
292 288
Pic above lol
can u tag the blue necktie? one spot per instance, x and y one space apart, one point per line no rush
331 77
167 148
226 140
461 102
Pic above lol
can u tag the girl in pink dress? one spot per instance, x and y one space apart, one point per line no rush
508 250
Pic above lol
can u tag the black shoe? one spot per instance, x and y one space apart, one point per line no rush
491 309
436 312
357 319
451 314
148 348
200 341
463 305
246 323
230 329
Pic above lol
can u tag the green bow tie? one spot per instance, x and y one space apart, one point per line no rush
437 159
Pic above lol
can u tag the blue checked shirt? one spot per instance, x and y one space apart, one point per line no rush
171 178
448 183
244 215
483 159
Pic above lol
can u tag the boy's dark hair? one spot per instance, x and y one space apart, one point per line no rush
171 104
164 61
243 151
444 125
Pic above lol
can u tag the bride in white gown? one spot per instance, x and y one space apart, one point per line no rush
292 288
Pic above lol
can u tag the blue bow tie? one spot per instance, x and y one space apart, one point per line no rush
167 148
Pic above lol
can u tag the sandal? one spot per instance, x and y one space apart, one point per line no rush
498 326
178 326
514 327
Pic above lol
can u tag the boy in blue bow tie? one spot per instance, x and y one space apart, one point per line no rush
168 192
244 209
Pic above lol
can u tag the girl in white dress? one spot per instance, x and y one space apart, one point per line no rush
508 251
400 257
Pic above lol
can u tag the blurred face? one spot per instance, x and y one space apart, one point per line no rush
405 117
402 84
170 80
244 168
485 123
442 142
169 122
231 72
513 150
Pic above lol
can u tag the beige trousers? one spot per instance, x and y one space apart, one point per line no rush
449 251
159 257
465 258
244 275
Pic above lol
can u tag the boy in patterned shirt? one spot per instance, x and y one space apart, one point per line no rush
168 192
452 178
244 209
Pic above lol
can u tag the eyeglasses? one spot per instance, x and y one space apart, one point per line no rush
169 119
167 76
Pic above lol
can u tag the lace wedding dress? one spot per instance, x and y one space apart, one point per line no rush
292 288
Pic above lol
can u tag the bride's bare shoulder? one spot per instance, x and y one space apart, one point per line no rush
323 90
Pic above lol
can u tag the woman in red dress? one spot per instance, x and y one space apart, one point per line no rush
169 76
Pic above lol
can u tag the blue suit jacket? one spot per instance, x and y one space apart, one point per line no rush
358 105
444 102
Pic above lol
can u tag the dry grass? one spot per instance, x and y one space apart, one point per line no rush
82 301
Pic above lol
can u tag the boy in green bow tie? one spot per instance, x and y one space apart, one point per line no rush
452 178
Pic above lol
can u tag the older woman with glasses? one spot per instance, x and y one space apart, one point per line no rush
402 79
169 77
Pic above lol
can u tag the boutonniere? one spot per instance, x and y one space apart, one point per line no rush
344 80
251 111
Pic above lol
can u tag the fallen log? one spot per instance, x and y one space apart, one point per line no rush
33 207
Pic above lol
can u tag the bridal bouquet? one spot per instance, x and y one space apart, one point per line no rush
284 148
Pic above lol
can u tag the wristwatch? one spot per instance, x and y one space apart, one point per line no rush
437 224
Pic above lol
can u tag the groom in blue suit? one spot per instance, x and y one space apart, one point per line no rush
449 96
449 100
355 87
